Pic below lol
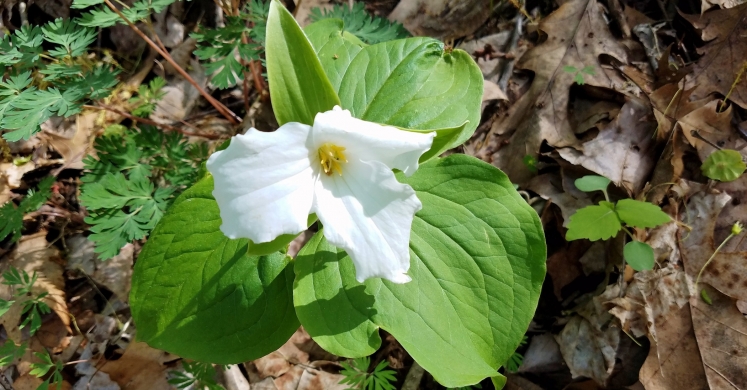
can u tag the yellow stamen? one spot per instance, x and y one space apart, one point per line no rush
330 157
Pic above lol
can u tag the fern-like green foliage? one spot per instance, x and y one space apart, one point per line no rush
220 47
370 29
56 82
11 217
103 16
148 95
134 177
357 376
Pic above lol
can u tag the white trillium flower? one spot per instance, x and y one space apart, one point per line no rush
267 184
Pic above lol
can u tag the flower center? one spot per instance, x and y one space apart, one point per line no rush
331 156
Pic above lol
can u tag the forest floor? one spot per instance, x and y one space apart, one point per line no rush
640 92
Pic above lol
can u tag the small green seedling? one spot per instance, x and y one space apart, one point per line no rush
605 220
41 369
578 74
357 376
724 165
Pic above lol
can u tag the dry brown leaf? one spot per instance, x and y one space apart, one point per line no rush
72 145
34 254
721 331
624 149
673 361
446 19
706 4
577 35
140 368
549 187
712 125
670 104
588 343
727 272
723 56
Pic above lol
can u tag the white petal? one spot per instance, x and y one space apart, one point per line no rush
264 183
369 141
367 212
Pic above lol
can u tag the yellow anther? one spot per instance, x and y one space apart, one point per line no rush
330 157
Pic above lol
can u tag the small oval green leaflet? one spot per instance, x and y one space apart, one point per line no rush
592 183
639 255
724 165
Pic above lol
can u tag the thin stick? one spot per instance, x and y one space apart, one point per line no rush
233 118
145 121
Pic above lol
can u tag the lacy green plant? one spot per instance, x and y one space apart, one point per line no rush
368 28
357 376
42 83
33 305
221 48
49 368
134 177
605 220
724 165
11 216
443 253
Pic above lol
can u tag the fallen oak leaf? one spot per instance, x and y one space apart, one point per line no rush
577 35
723 56
721 331
727 272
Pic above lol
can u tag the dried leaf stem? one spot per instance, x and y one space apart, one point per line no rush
233 118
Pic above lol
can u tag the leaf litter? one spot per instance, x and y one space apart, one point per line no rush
573 88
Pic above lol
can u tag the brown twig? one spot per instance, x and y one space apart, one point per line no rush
145 121
233 118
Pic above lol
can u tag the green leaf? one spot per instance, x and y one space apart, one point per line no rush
639 255
443 141
724 165
594 223
640 214
592 183
199 295
477 263
299 88
409 83
5 306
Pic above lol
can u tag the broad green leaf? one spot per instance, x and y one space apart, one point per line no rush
299 88
410 83
199 295
477 262
592 183
724 165
640 214
598 222
639 255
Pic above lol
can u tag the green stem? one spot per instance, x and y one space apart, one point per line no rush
697 280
